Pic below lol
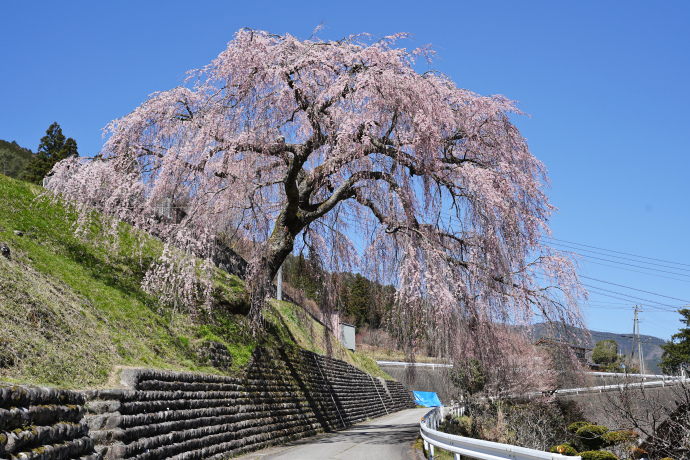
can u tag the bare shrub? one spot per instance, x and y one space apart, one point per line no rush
538 424
658 415
375 338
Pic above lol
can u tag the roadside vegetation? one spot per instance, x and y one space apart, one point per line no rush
560 426
72 309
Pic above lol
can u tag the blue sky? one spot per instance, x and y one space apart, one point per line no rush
605 84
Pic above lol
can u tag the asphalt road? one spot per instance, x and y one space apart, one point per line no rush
390 438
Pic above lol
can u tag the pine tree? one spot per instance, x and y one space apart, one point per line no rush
677 352
53 148
359 300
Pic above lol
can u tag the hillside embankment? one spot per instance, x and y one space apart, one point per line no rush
193 383
72 307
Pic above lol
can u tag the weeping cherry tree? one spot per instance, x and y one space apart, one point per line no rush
343 147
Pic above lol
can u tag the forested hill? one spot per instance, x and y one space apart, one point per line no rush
13 158
650 344
359 300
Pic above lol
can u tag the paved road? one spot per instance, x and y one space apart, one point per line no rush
390 438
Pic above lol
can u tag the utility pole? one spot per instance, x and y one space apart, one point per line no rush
639 341
636 324
632 349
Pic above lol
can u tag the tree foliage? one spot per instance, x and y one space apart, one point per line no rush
53 148
13 158
676 354
335 145
358 300
605 352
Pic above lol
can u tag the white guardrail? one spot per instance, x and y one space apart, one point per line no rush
475 448
402 363
662 382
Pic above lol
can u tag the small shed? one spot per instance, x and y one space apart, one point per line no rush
347 336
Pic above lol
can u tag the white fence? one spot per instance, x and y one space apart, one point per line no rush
475 448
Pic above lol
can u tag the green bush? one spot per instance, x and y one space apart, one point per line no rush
567 449
614 438
576 426
597 455
591 436
605 352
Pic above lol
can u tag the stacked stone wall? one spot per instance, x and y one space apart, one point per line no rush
43 424
284 396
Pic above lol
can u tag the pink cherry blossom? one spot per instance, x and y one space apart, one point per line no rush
281 143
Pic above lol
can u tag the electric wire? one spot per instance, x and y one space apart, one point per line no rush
616 295
590 256
618 252
635 289
636 266
642 272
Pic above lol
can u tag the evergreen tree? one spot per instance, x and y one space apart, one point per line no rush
359 300
13 158
53 148
69 149
676 355
306 274
605 352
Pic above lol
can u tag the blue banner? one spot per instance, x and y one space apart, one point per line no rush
426 398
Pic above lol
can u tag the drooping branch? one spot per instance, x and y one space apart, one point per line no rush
278 135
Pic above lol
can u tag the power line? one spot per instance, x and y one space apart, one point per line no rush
633 265
627 297
635 289
644 273
619 252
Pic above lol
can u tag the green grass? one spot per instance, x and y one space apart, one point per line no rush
72 309
300 329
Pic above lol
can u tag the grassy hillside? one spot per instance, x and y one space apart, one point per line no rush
72 310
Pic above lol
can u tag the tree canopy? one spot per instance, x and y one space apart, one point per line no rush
605 352
676 356
342 147
13 158
53 148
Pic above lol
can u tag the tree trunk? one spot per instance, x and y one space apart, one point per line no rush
279 245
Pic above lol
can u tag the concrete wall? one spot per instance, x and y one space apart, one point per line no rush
285 395
425 378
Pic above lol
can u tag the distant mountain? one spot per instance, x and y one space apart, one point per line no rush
650 345
13 158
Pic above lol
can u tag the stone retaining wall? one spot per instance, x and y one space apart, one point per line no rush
285 395
43 424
